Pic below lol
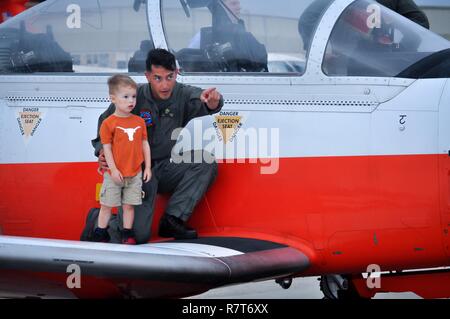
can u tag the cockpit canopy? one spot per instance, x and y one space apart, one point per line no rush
241 35
371 40
219 36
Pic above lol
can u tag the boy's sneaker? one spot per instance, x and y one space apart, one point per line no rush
128 237
101 235
129 241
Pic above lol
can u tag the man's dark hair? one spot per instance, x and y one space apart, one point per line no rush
160 57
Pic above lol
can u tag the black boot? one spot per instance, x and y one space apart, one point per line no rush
101 235
171 226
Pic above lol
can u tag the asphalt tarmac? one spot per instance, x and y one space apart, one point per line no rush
301 288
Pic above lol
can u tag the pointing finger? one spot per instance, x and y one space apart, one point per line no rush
214 96
210 90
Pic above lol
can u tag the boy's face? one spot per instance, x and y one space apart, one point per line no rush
162 81
124 98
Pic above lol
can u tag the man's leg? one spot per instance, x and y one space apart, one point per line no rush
188 181
143 214
190 189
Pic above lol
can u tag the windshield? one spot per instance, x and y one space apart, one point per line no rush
371 40
272 36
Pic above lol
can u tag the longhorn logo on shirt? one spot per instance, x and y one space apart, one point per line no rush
130 132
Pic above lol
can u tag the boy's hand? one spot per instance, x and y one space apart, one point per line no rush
117 176
147 175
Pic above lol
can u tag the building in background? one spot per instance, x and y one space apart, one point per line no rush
438 12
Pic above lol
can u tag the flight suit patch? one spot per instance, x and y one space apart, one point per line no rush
147 117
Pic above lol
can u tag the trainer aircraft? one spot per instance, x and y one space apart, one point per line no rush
333 147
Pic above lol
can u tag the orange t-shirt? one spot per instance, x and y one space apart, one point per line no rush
125 134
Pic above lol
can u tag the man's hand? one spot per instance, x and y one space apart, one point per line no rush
211 98
102 164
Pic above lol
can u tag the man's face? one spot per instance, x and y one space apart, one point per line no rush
234 6
162 81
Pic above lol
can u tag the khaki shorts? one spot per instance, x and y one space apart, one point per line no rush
129 192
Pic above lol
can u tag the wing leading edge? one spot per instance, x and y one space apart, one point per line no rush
174 268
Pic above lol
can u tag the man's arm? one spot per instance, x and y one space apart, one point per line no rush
201 102
96 143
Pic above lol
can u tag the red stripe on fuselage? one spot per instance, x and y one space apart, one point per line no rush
346 212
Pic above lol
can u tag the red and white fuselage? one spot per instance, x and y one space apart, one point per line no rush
352 171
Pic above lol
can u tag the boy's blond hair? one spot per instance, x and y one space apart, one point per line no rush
118 80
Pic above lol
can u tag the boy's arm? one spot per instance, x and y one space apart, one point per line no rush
96 143
147 153
147 160
115 173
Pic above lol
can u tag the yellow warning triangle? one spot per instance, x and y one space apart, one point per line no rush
227 125
28 121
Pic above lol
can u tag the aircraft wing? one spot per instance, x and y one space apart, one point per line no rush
40 267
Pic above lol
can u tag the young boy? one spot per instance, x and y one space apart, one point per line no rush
125 144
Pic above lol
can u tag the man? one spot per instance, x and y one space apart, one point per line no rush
235 8
233 12
166 105
408 9
227 43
